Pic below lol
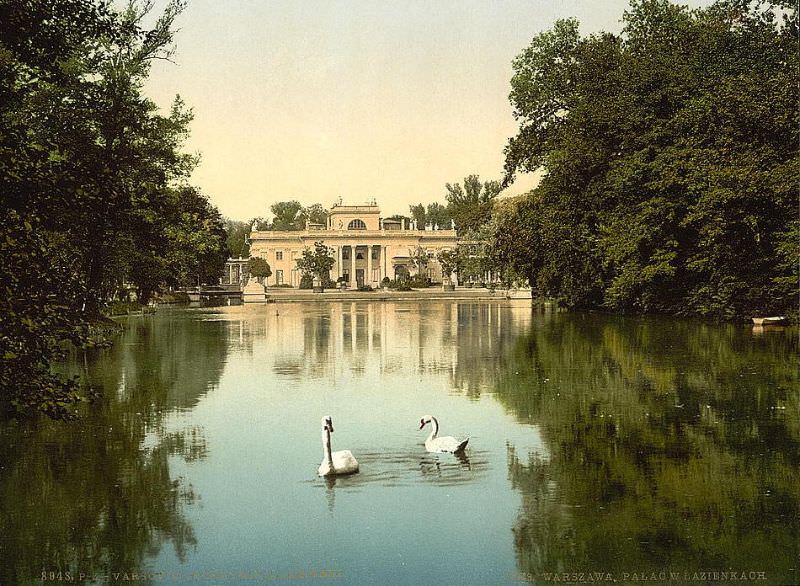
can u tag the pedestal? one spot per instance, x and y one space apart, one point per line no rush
254 292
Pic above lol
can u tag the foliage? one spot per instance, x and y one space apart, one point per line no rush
419 257
470 206
418 215
448 260
473 262
291 215
94 183
418 282
438 216
671 161
315 214
399 285
287 215
306 282
316 263
237 238
259 268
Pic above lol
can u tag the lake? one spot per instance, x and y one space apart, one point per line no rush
601 449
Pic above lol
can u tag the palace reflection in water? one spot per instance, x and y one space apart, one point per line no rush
598 443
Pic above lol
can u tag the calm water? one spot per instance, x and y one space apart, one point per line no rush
601 447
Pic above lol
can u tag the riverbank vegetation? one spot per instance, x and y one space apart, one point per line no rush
670 155
96 199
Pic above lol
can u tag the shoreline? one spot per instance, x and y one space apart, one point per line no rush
333 295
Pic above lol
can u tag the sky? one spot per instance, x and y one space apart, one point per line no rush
312 100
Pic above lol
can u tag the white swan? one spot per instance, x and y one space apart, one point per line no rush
341 462
441 444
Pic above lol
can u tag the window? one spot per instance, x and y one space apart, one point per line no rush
375 253
346 253
357 225
279 277
279 255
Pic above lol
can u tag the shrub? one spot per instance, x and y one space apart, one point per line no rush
306 282
419 282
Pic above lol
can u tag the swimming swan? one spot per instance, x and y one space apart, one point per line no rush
441 444
341 462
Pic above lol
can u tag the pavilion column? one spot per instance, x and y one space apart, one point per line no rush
338 261
368 280
353 281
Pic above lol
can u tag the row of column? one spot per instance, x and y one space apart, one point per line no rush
368 280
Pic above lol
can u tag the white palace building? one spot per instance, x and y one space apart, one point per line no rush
366 248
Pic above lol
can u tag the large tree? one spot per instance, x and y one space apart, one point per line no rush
670 154
470 205
291 215
94 181
237 234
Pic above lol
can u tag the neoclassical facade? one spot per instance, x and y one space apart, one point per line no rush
366 247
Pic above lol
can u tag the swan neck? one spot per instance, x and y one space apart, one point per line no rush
435 425
326 446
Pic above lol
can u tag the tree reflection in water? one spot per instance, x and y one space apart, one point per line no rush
674 446
97 496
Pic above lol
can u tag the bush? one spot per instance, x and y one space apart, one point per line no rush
366 288
385 282
306 282
419 282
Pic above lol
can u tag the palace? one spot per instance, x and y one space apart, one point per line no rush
366 247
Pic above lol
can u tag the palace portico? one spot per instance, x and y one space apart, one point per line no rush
366 247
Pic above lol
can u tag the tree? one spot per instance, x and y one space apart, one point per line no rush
316 263
236 240
288 215
314 214
470 206
259 268
448 260
438 216
418 215
92 178
291 215
668 153
420 259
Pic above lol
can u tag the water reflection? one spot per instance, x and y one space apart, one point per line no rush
98 496
597 444
468 341
675 446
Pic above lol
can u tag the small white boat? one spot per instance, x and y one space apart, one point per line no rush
771 321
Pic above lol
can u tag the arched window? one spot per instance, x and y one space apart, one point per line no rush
357 225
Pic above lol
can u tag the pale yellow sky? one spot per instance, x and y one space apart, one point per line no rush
312 100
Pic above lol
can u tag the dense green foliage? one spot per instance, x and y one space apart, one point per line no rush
469 207
237 238
94 183
317 263
671 164
259 268
291 215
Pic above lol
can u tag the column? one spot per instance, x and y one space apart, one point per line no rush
338 261
353 283
368 280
